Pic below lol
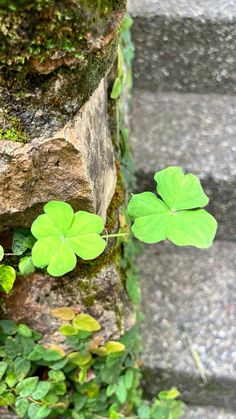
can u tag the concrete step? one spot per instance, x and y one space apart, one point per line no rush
189 331
194 131
185 45
207 412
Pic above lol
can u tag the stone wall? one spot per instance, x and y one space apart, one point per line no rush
56 144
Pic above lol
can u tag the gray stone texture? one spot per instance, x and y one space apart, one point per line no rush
196 132
184 113
207 412
76 164
220 9
189 304
185 48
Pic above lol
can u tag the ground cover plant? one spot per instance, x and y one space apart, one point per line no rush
95 378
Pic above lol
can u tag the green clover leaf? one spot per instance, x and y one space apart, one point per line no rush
62 234
177 217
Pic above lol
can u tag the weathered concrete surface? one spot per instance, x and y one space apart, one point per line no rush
76 165
189 303
101 295
207 412
220 9
196 132
185 45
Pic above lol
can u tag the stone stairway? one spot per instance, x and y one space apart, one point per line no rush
184 113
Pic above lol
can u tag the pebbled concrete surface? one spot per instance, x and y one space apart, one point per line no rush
196 132
220 9
185 53
188 291
207 412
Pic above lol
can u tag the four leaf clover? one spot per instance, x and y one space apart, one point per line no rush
177 216
62 234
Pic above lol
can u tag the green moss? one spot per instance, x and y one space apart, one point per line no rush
12 129
32 32
13 135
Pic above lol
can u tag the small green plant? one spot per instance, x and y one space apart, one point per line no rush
59 235
93 380
62 234
7 275
177 215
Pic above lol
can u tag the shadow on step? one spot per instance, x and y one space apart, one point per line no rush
222 196
219 392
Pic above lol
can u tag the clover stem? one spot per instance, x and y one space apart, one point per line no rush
108 236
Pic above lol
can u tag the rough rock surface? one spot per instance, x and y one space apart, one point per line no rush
101 295
220 9
185 45
189 304
76 165
207 412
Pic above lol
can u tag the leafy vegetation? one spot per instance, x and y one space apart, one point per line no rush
7 275
176 216
86 377
13 135
91 380
62 234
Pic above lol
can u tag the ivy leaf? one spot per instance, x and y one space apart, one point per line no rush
52 355
119 82
113 346
24 330
22 240
21 407
86 323
21 368
11 379
7 399
38 412
171 394
62 235
101 351
129 379
67 330
56 376
3 387
82 360
7 277
144 411
126 23
26 266
173 218
1 253
3 367
121 392
8 327
114 415
12 347
63 313
26 387
42 389
37 353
